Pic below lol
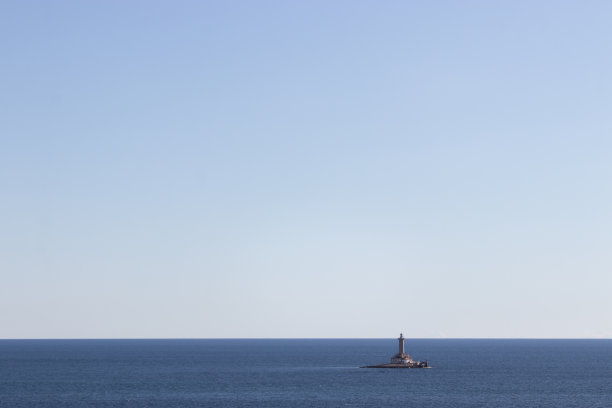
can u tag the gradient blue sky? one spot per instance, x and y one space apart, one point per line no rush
305 169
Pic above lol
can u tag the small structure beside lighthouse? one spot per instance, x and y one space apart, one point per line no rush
401 359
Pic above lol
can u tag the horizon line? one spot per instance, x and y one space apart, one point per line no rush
303 338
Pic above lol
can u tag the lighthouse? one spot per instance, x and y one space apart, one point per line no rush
401 359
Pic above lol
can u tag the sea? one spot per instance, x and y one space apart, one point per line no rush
304 373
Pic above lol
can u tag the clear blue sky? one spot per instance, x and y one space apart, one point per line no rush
305 169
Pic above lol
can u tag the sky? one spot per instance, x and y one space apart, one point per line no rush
222 169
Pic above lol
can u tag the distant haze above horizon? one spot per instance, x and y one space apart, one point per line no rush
280 169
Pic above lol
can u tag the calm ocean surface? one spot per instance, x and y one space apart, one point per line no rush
304 373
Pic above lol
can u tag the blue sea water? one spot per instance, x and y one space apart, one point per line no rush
304 373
